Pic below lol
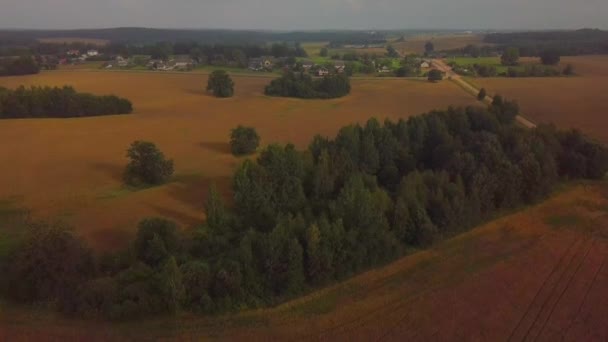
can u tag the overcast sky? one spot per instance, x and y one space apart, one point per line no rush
306 14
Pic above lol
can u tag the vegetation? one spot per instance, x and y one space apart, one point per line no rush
565 43
303 219
18 66
435 75
482 94
510 56
220 84
429 47
550 57
46 102
244 140
147 165
302 85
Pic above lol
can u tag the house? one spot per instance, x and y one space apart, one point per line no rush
306 64
261 63
322 72
73 53
384 69
339 66
121 62
182 63
92 53
425 65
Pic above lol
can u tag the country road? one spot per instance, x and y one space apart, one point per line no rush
440 64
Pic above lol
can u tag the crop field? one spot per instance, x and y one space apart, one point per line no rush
441 42
71 169
576 101
540 273
69 40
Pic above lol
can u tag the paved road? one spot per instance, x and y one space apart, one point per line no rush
441 65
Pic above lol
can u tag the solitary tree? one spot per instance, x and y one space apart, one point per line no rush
510 56
148 164
568 70
435 75
549 57
244 140
482 94
220 84
429 47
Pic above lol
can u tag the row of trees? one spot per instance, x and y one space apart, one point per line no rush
19 66
47 102
302 85
302 219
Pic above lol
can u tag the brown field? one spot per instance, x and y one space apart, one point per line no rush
70 169
441 42
69 40
537 274
565 101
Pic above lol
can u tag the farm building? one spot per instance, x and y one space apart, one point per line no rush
92 53
339 66
261 63
322 72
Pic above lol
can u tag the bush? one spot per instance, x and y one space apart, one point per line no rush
220 84
303 86
435 75
244 140
50 265
148 165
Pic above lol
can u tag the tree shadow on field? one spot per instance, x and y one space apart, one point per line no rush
216 146
175 215
113 170
192 190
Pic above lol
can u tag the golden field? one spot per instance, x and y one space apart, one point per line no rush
71 169
576 101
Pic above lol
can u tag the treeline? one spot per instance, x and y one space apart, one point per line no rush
303 86
47 102
303 219
18 66
565 43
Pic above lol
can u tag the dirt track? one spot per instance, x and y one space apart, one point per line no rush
440 64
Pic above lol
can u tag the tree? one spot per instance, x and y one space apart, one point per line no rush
435 75
429 47
510 56
148 165
568 70
244 140
220 84
482 94
217 216
550 57
391 52
157 239
324 52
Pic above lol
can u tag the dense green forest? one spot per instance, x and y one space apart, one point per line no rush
18 66
302 85
565 43
47 102
304 219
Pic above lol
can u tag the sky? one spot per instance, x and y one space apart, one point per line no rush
306 14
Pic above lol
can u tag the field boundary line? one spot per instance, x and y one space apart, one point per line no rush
542 286
553 289
580 307
559 298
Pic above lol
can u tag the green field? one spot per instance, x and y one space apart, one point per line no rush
490 61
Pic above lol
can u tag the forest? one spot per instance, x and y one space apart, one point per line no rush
18 66
55 102
299 220
565 43
301 85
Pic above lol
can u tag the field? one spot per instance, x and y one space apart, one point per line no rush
566 101
538 274
491 61
69 40
71 169
441 42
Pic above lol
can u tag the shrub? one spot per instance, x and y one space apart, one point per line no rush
482 94
148 165
220 84
244 140
435 75
156 240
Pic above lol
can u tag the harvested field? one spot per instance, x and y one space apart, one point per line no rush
70 40
441 42
576 102
71 169
538 274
